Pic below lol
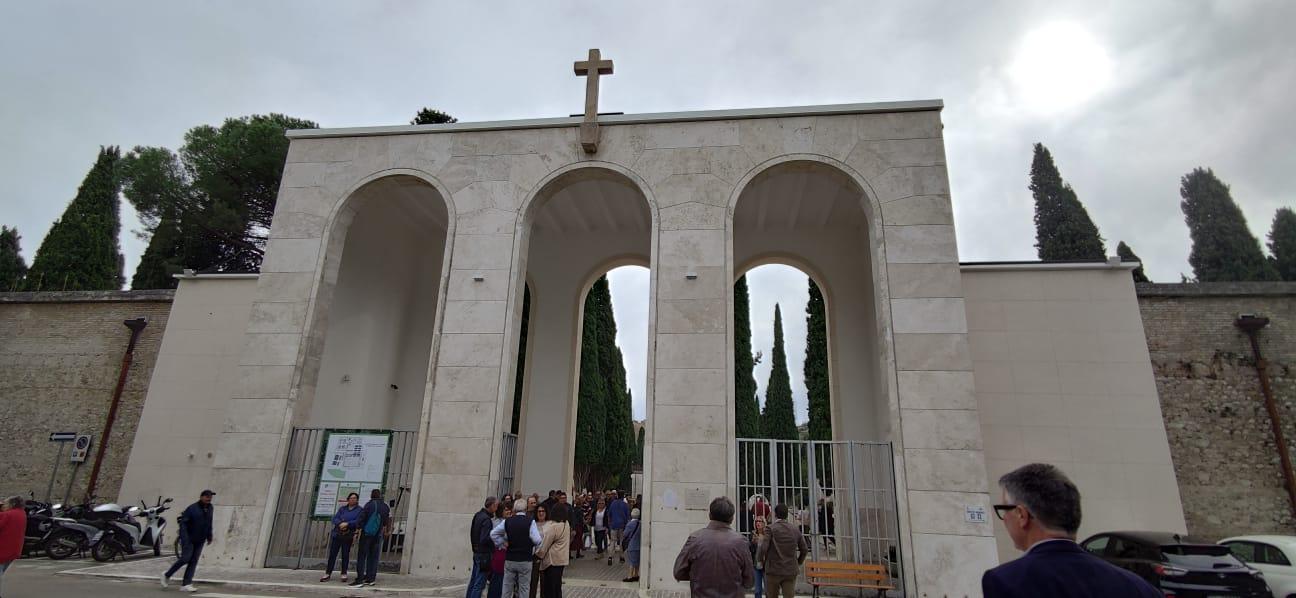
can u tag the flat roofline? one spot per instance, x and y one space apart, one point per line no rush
626 119
1043 266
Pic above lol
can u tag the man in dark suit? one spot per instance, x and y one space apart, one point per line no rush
1041 510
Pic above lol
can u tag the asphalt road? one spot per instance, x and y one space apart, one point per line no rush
39 578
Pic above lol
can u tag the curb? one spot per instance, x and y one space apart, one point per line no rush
449 590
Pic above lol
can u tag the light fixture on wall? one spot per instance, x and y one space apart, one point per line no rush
478 277
690 275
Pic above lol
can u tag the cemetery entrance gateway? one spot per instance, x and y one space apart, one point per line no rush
840 493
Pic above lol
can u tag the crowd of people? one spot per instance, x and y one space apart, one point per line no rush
522 544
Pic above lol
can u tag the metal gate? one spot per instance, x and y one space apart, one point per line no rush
841 493
508 463
297 540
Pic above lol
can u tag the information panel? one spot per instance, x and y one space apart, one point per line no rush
351 462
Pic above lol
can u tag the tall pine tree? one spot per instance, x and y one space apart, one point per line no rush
1063 229
12 266
779 420
639 446
1282 243
81 252
816 366
1223 248
1127 255
430 116
747 409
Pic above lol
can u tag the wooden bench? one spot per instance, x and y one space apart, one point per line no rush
848 575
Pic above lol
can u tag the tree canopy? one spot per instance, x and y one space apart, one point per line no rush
429 116
1127 255
1063 229
1223 248
81 251
605 449
210 206
1282 243
12 265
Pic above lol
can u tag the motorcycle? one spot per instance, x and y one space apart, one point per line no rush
74 530
39 526
124 534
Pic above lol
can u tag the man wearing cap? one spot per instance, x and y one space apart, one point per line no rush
195 529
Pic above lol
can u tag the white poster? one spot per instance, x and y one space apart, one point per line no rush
353 462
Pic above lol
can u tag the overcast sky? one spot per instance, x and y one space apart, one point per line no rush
1129 96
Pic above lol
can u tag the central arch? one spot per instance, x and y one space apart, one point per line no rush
580 223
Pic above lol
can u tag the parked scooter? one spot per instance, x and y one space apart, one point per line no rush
124 534
39 526
74 530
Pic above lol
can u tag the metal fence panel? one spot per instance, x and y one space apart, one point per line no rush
298 541
842 494
508 463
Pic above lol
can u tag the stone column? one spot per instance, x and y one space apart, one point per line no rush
690 429
462 422
940 432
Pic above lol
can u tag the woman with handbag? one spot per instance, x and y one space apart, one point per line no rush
553 552
344 526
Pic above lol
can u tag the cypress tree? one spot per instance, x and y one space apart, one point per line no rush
1282 243
591 408
520 376
1127 255
1223 248
779 420
619 454
12 266
1063 229
816 366
747 408
81 252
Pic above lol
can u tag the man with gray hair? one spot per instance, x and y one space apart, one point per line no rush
519 537
716 560
13 526
1041 511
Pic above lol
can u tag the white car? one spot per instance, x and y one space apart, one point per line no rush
1273 556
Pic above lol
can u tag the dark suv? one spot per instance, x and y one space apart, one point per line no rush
1178 566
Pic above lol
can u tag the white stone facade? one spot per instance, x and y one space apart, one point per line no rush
898 288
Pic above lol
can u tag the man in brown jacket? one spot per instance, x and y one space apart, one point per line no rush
782 551
715 560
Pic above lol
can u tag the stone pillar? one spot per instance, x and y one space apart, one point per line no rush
690 429
940 432
250 453
463 430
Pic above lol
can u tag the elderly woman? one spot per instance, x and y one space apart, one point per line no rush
633 533
553 551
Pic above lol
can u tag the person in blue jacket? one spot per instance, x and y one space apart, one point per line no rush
372 525
618 517
344 526
195 529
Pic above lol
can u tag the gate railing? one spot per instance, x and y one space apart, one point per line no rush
298 540
508 463
842 494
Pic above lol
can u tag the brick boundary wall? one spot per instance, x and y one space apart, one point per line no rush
60 355
1224 454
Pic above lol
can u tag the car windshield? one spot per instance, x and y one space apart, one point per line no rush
1201 556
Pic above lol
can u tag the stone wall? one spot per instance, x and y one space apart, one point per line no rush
1220 436
60 356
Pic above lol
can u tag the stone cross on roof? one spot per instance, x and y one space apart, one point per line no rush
591 69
